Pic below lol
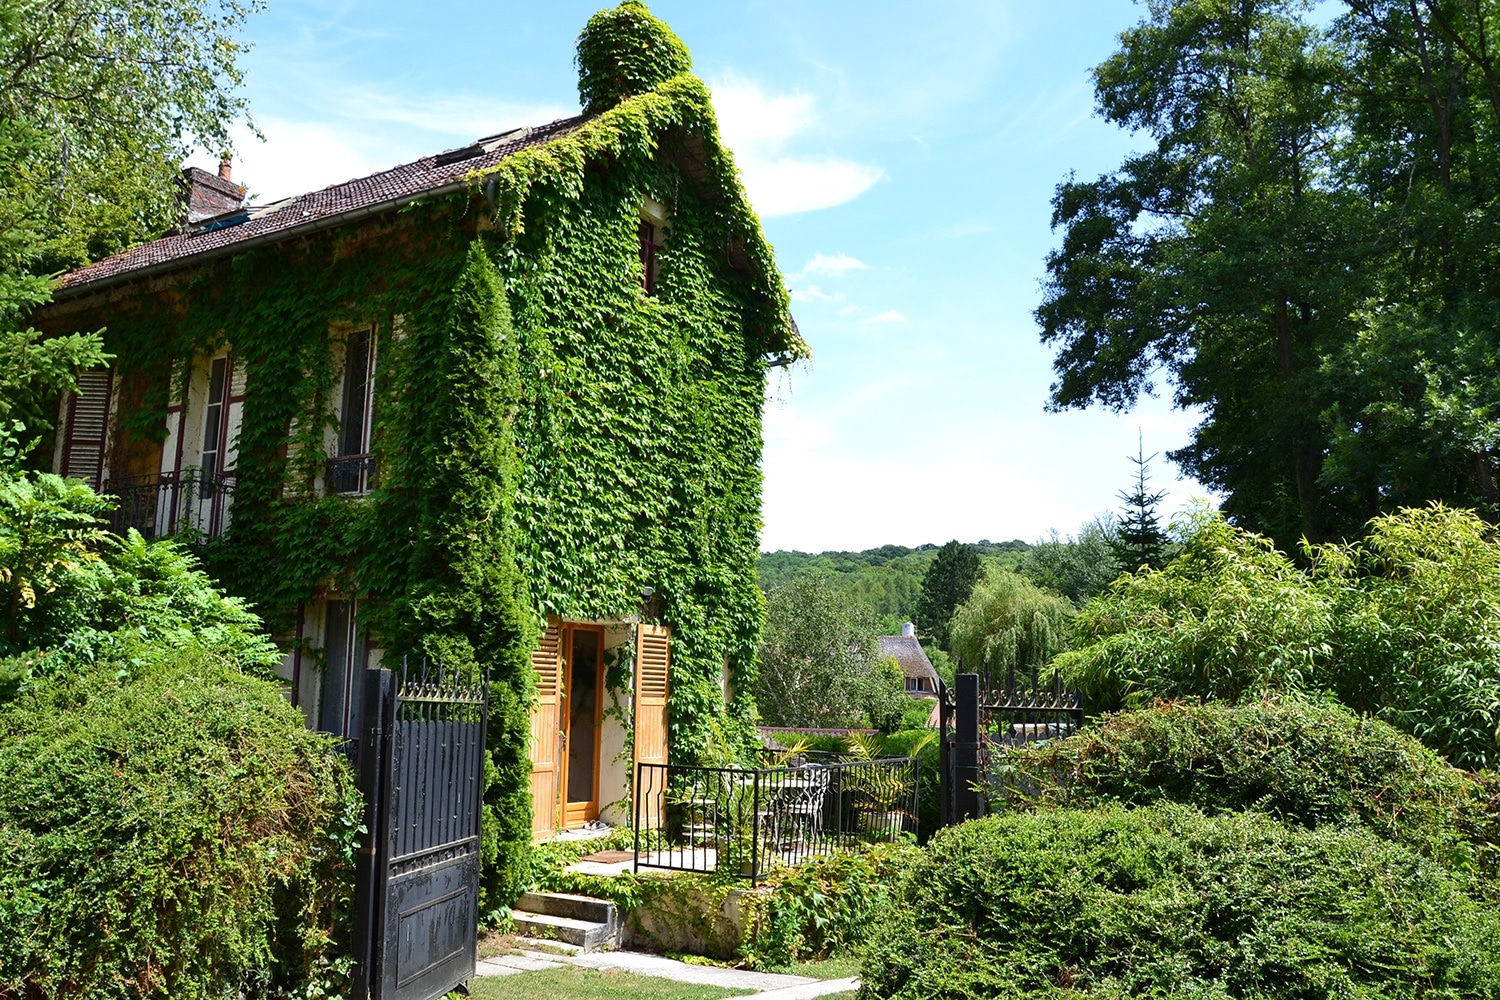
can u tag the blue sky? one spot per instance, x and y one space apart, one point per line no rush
902 157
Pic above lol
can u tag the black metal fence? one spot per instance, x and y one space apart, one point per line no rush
747 821
982 715
421 762
189 503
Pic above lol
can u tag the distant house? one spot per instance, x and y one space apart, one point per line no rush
921 679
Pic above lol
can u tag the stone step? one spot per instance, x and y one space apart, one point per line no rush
562 904
586 934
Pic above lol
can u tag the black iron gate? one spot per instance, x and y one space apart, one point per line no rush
421 768
977 719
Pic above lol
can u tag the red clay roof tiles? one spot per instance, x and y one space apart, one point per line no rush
406 182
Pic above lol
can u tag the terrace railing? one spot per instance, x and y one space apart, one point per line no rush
351 475
189 503
747 821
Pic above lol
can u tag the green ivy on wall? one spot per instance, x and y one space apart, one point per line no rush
551 438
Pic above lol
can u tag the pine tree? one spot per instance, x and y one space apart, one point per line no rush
1139 539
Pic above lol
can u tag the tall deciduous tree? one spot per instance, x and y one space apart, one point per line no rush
99 103
818 656
1227 256
1077 566
948 583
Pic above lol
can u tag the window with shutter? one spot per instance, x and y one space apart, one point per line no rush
653 664
547 659
88 420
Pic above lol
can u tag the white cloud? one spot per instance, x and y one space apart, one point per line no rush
834 266
465 116
296 157
758 127
812 293
889 316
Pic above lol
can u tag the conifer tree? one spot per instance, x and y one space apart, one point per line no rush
1139 539
948 583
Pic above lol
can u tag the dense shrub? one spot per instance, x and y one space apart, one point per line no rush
72 593
825 906
1404 624
169 829
1164 901
1305 763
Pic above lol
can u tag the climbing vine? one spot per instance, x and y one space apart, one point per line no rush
552 439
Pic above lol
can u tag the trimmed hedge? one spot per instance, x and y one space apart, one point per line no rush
1164 901
1305 763
170 830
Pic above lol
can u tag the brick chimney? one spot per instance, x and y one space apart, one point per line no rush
205 196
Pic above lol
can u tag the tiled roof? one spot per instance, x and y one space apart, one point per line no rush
908 652
282 219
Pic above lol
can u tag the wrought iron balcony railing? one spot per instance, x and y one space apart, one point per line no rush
350 475
745 821
190 503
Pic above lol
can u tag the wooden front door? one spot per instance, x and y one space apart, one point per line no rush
581 716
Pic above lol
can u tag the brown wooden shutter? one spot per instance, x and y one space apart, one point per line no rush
547 659
653 662
88 419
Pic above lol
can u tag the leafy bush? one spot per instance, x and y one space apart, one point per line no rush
1305 763
1229 616
1404 624
74 593
1163 901
1417 628
825 906
169 828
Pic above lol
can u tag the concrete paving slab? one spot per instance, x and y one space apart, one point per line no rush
806 991
529 962
489 967
682 972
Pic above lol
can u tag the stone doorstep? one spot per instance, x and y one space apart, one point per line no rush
586 934
583 921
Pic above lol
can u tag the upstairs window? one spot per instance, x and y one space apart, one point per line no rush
214 424
650 247
652 234
352 470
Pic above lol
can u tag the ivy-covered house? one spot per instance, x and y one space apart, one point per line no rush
501 405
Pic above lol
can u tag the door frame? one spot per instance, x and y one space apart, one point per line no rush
576 814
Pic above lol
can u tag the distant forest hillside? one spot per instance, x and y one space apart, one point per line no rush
887 580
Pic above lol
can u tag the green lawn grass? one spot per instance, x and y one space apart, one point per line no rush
573 983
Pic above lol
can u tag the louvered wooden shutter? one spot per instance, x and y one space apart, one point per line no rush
88 417
653 662
547 659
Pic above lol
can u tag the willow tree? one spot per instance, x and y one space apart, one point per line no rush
1009 622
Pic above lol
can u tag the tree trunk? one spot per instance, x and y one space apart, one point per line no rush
1304 467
